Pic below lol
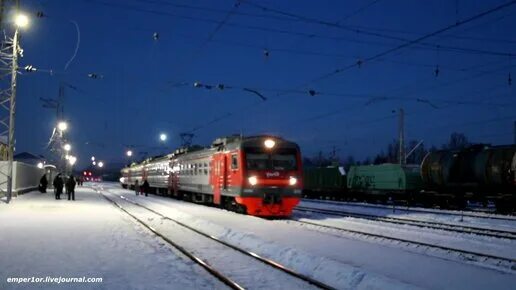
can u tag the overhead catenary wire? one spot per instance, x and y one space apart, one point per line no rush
414 41
443 48
293 19
407 42
287 90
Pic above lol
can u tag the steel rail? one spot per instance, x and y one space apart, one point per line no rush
224 279
467 213
502 234
260 258
450 249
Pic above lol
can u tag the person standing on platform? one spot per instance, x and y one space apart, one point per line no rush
43 183
70 187
58 185
136 187
146 187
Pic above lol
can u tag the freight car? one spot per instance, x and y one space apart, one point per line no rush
325 182
384 181
479 172
445 178
259 175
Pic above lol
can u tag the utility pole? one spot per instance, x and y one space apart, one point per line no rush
401 130
186 139
9 51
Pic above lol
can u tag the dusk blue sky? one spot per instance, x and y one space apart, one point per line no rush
146 85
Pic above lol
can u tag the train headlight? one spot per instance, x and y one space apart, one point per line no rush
292 180
253 180
269 143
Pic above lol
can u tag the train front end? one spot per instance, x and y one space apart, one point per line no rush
272 177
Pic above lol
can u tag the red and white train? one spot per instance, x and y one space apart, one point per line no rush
260 175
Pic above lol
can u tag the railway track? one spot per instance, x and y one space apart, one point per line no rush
499 261
467 213
495 233
216 273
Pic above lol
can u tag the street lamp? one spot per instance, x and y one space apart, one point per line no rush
40 165
101 164
21 20
163 137
62 126
67 147
92 158
129 153
72 160
94 163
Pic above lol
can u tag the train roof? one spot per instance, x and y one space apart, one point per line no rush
228 142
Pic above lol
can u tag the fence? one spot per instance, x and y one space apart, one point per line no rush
25 177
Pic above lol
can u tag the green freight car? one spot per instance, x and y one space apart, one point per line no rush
327 182
391 179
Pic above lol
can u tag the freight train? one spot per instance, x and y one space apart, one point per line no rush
258 175
446 178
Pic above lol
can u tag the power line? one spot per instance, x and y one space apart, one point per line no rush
292 19
358 11
415 41
390 37
430 46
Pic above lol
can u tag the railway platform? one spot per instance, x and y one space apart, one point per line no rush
49 239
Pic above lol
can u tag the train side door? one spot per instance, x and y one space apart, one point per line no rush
219 176
216 178
225 171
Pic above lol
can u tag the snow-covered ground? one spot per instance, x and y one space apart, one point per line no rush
481 219
345 259
90 237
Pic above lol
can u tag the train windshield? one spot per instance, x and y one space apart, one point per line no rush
281 159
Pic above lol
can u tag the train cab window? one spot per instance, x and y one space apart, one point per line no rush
234 161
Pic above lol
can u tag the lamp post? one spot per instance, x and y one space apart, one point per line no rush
163 137
129 154
20 21
62 126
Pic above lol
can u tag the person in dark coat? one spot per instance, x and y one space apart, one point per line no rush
146 187
70 187
136 187
58 185
43 183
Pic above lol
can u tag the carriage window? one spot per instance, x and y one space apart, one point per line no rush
234 161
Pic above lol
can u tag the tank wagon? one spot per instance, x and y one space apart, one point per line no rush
447 178
480 172
259 175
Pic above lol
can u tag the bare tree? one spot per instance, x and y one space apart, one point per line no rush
457 141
